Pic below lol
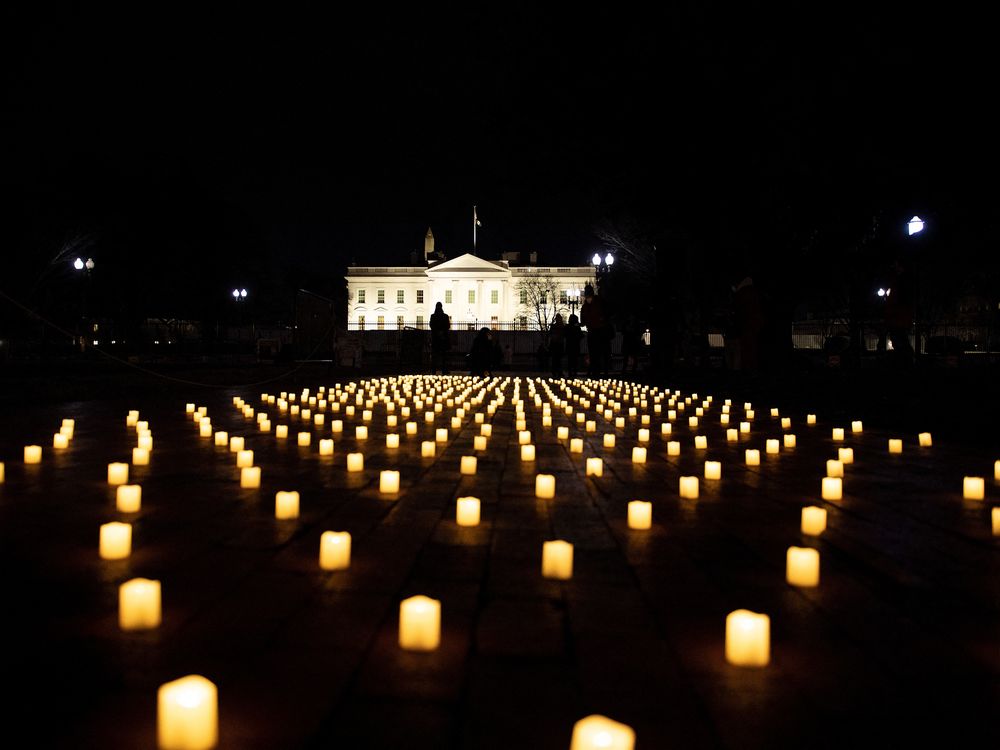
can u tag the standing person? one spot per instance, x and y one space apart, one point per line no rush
573 336
481 354
557 344
440 339
594 317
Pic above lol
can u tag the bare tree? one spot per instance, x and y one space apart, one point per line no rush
540 300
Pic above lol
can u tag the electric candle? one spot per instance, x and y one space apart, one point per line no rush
115 541
222 438
140 457
772 446
595 467
244 458
834 468
441 435
335 550
752 457
576 445
723 419
139 604
557 560
995 514
467 511
286 505
60 441
643 435
838 434
429 417
833 488
732 435
745 428
319 420
786 423
609 440
326 447
748 639
527 452
205 428
468 465
640 515
846 456
189 408
391 440
700 442
620 423
973 488
32 454
523 437
236 444
250 477
996 471
562 433
713 470
361 432
546 420
427 449
856 426
545 486
128 498
644 419
810 419
591 426
924 438
388 481
420 623
486 430
187 714
749 414
895 445
813 520
337 426
598 732
689 488
366 415
456 423
411 428
117 473
355 461
479 444
692 421
638 455
802 567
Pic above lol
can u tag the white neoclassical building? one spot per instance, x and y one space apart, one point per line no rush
474 292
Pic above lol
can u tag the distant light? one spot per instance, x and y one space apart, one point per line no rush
596 260
915 225
78 264
113 341
96 342
236 294
156 342
90 264
243 292
888 292
880 292
609 259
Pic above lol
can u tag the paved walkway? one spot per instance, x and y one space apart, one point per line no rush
898 645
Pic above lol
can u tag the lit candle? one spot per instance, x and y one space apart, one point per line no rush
286 505
744 428
32 454
281 431
139 604
250 477
361 432
810 419
545 486
666 428
713 470
388 481
391 440
337 426
411 428
996 471
834 468
598 732
895 445
772 446
620 422
752 457
673 448
640 515
732 435
748 639
205 428
429 417
700 442
467 465
326 447
924 438
813 520
222 438
838 433
973 488
786 423
802 567
391 420
591 426
236 444
557 560
60 441
595 467
115 541
117 473
420 623
576 445
723 419
546 420
335 550
355 461
479 444
527 452
427 449
833 488
856 426
609 440
995 514
140 457
643 435
486 430
638 455
244 458
189 408
187 714
689 488
562 433
456 423
692 421
467 511
523 437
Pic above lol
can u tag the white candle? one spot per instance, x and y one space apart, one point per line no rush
456 423
479 444
834 468
236 444
732 435
139 604
326 447
441 435
115 541
666 428
846 456
429 417
189 408
748 639
187 714
205 428
591 426
638 455
752 457
810 419
995 514
527 452
856 426
832 488
772 446
723 419
744 428
640 515
60 441
411 428
222 439
689 488
973 488
486 430
609 440
789 441
524 437
140 457
286 505
713 470
802 567
467 465
557 560
692 421
620 422
32 454
673 448
546 419
391 420
545 486
388 482
335 550
700 442
391 440
813 520
598 732
265 425
244 458
562 433
595 467
117 473
838 434
355 461
420 623
467 511
925 440
337 426
427 448
996 471
786 423
361 432
576 445
643 435
250 477
128 498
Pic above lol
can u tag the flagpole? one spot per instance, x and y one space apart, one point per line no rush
474 222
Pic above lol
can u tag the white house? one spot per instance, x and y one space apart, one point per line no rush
474 292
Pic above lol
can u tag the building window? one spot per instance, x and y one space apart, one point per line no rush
420 296
447 297
524 296
400 296
420 320
494 322
494 296
522 322
472 296
545 298
380 294
361 296
381 322
361 322
399 322
563 298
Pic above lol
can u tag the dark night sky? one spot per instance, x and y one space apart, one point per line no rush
250 144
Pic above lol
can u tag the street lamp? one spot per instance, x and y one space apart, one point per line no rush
602 266
914 226
239 294
78 264
574 299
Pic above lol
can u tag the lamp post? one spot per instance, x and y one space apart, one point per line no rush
914 227
602 265
573 295
86 266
